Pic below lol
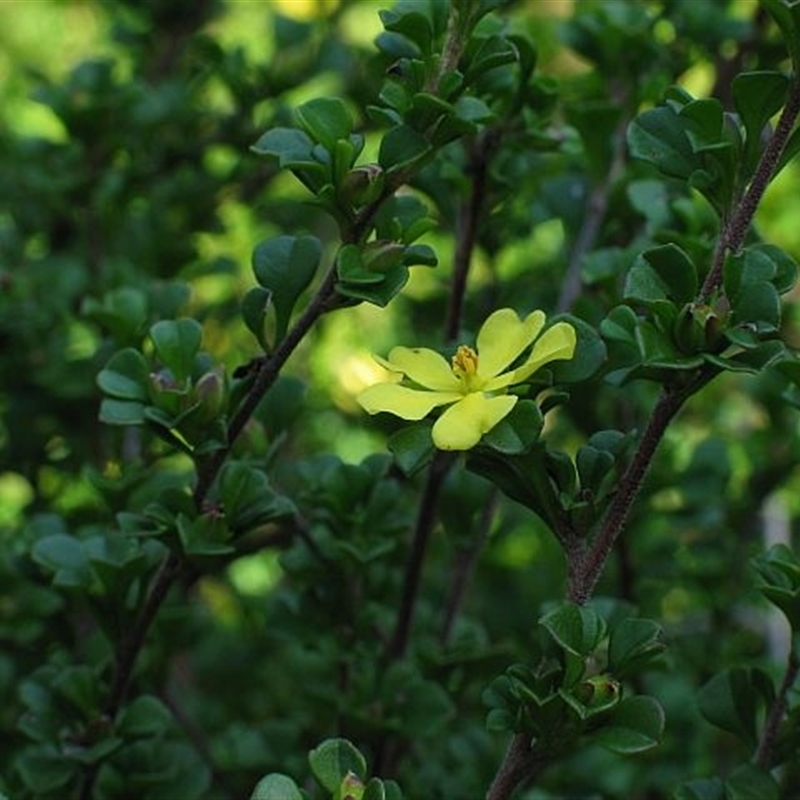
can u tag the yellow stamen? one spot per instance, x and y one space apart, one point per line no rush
465 362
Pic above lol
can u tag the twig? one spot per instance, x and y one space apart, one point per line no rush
426 517
519 766
585 573
733 235
596 208
468 225
764 753
466 561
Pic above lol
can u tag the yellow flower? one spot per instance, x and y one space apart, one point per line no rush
473 384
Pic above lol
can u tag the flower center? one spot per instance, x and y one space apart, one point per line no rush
465 367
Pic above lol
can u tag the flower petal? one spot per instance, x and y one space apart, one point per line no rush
462 425
555 344
423 366
503 337
402 401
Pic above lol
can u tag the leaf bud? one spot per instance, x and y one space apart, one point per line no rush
362 185
210 392
382 255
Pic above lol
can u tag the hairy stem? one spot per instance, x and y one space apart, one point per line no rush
586 572
519 766
733 234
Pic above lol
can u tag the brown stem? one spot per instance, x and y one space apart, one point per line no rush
426 517
324 301
733 235
763 756
585 573
519 766
466 561
596 208
468 225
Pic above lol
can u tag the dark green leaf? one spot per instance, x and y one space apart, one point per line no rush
326 120
401 147
730 701
748 782
254 312
292 148
333 760
248 499
701 789
590 353
662 273
125 376
577 629
144 717
658 136
637 725
519 431
412 447
757 96
206 535
285 266
64 556
786 14
276 787
633 643
379 294
413 25
176 343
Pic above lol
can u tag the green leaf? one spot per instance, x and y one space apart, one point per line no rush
662 273
658 136
577 629
326 120
121 412
206 535
44 770
413 25
285 266
492 52
276 787
779 571
748 782
633 644
590 353
730 700
701 789
122 311
401 147
333 760
255 305
757 96
636 725
292 148
176 343
379 294
519 431
248 499
786 14
593 467
66 557
144 717
125 376
412 447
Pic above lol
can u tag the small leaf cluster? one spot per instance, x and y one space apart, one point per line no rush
577 688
